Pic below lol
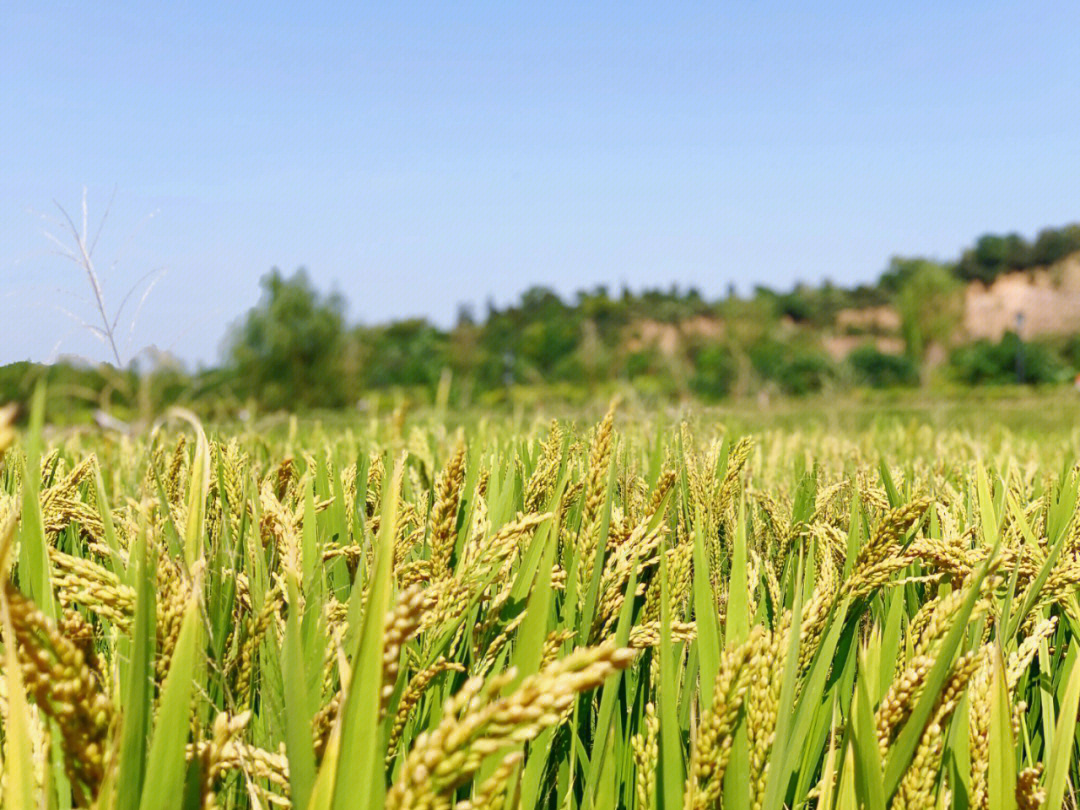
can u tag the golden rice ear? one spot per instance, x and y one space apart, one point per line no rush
478 721
646 751
7 421
445 511
9 521
418 684
711 749
401 624
64 687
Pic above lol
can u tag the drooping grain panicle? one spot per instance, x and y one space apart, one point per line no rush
712 746
477 722
64 687
595 488
445 510
646 752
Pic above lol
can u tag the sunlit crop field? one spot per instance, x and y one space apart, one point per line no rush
422 610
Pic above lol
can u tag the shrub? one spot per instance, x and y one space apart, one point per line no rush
714 372
797 370
985 362
1070 351
878 369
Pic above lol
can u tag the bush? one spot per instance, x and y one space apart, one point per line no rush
406 353
795 369
988 363
640 363
714 372
807 372
877 369
1054 244
1070 351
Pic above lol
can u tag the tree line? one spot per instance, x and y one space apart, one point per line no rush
296 350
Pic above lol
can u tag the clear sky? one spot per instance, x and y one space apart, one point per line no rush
416 157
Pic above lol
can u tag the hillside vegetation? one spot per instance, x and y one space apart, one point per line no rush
923 322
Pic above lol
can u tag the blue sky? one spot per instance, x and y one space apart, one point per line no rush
416 157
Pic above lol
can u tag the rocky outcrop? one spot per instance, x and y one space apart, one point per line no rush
1044 301
669 338
881 320
838 347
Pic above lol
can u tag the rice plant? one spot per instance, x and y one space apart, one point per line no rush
631 613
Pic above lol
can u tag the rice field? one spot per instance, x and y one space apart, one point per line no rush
626 611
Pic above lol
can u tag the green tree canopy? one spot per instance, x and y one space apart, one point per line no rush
405 353
930 305
286 352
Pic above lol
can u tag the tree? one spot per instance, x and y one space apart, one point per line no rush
900 271
994 255
287 350
930 307
408 353
795 367
1053 244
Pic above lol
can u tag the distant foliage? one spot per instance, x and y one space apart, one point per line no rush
993 255
794 368
295 350
877 369
1009 360
715 369
930 304
408 353
1070 351
287 351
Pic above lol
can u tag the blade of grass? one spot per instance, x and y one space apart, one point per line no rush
298 714
360 782
1061 753
601 741
138 688
778 774
34 578
670 779
165 768
1001 775
19 788
736 787
199 485
869 781
708 631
